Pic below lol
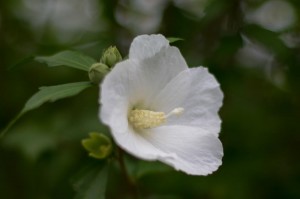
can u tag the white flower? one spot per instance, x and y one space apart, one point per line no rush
159 109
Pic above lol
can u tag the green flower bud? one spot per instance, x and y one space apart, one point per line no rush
97 71
111 57
98 145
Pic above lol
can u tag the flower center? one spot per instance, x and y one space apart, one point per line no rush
144 119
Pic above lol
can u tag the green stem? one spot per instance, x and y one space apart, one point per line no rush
131 184
12 122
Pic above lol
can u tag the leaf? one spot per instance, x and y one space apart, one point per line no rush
22 62
90 183
164 197
30 141
142 168
174 39
71 59
145 168
53 93
49 94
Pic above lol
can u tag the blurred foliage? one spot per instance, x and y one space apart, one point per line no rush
258 69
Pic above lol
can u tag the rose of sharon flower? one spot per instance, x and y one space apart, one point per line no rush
159 109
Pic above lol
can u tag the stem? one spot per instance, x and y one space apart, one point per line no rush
10 124
131 184
123 167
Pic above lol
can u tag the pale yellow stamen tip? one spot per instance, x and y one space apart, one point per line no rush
176 111
144 119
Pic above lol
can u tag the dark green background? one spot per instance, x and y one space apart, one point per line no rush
260 128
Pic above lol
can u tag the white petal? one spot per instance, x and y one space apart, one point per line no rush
118 89
173 94
123 86
201 103
135 144
195 151
145 46
159 70
138 82
122 89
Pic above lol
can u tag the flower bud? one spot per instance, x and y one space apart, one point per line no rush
97 71
98 145
111 57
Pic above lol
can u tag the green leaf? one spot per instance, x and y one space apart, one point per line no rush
90 183
22 62
30 141
53 93
145 168
174 39
142 168
49 94
71 59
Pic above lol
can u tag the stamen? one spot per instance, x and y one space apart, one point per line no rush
177 111
144 119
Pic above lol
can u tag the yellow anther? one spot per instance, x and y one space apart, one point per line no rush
144 119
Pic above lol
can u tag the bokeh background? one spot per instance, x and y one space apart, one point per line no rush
251 46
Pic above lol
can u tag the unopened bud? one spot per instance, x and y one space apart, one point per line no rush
111 57
97 71
98 145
